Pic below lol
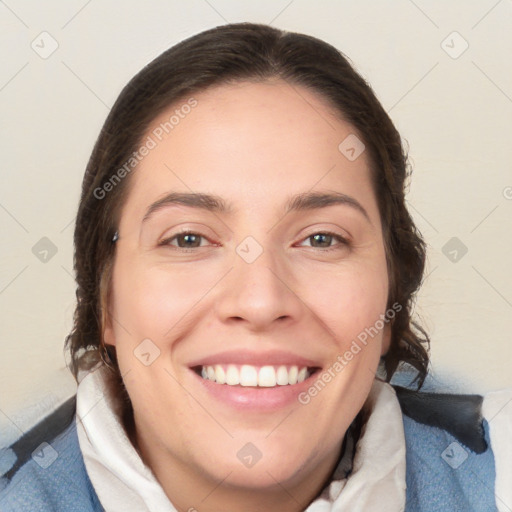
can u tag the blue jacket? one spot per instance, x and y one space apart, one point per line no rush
450 465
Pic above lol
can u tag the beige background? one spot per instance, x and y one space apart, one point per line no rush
452 105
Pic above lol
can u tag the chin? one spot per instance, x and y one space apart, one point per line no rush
259 465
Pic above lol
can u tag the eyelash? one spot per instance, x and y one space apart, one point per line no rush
343 242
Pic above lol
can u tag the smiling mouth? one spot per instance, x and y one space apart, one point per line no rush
246 375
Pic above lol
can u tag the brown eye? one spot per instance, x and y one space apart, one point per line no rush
184 240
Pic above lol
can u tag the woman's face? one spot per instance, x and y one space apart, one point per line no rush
282 272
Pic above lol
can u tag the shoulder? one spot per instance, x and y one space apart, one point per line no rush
449 460
47 470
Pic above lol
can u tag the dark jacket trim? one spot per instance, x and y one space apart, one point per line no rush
45 431
460 415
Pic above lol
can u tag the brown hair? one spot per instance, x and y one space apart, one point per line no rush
228 54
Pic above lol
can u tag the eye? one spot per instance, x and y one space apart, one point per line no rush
185 240
324 239
192 240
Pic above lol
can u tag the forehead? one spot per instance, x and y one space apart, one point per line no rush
251 143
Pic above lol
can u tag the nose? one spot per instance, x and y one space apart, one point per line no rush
259 294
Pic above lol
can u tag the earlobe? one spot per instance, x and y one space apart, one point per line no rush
108 330
108 335
386 339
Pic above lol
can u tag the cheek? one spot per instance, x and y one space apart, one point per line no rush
151 300
349 300
158 302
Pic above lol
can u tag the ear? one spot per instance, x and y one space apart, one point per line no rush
108 330
386 339
105 293
107 322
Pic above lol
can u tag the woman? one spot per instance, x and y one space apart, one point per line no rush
246 268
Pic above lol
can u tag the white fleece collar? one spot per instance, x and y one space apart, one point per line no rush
123 482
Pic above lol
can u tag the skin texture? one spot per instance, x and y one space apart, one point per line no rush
255 145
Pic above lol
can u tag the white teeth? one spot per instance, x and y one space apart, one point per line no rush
232 376
282 376
292 375
247 375
301 377
267 377
220 376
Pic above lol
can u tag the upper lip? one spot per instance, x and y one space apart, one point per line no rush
271 358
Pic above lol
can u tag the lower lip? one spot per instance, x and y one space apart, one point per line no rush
256 398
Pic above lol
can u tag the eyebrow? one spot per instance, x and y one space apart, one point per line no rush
216 204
